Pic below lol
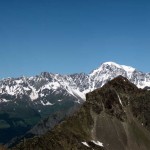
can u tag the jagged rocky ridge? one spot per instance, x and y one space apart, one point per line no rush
114 117
25 101
76 85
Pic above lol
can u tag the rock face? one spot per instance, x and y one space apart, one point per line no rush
114 117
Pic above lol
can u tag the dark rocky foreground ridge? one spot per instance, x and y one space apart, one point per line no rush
114 117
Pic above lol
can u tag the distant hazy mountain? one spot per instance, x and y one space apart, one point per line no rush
114 117
26 100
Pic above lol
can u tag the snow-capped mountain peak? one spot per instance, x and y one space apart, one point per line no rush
126 68
111 67
108 65
75 85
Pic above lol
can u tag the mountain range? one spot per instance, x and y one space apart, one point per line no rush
24 101
114 117
38 87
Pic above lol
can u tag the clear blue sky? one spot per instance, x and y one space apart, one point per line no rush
68 36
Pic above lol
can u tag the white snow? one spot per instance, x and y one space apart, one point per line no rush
9 90
97 143
128 68
34 95
52 85
26 89
4 100
85 143
59 100
143 84
19 81
41 94
46 104
76 92
112 64
119 99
